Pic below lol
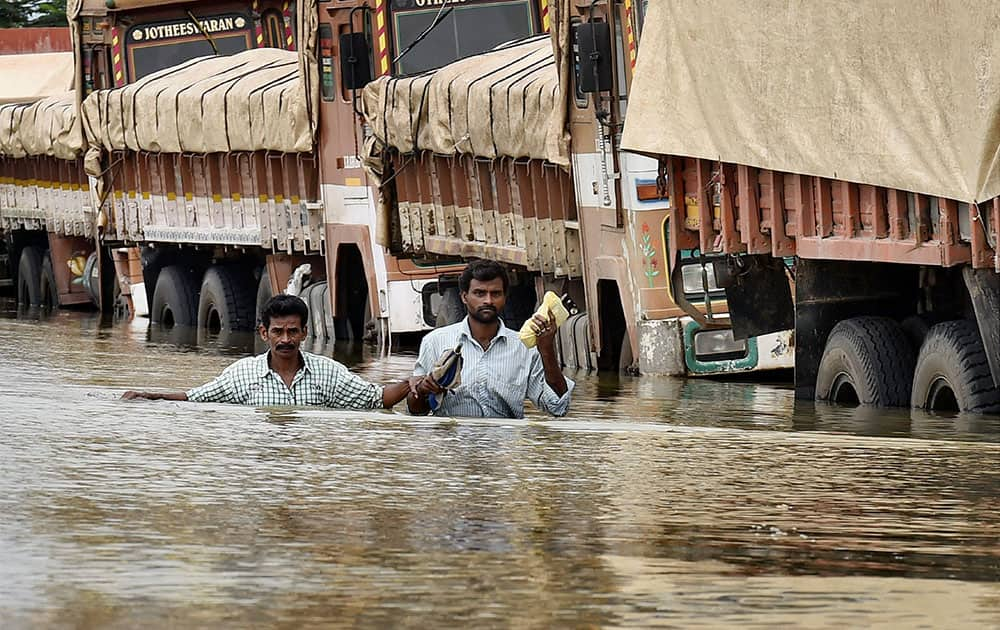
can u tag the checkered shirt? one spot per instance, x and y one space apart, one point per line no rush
320 381
495 381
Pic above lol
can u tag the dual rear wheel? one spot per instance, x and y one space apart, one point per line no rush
871 361
222 302
228 299
953 372
36 283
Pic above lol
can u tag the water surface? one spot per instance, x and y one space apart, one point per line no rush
658 502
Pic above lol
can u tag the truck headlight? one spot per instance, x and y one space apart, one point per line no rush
718 345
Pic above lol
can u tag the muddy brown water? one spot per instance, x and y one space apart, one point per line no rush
657 502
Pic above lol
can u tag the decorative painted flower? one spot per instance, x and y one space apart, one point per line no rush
649 254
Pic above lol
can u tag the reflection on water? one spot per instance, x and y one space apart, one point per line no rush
658 502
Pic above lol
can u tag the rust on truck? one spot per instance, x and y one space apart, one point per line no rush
520 212
738 209
20 41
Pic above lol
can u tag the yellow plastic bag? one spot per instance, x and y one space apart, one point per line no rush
550 304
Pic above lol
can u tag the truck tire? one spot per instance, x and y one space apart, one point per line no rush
317 310
952 372
227 301
264 293
121 308
370 330
867 361
91 280
626 357
581 341
48 291
29 277
305 294
574 342
328 324
175 299
451 309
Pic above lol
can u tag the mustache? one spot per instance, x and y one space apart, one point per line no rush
285 346
487 308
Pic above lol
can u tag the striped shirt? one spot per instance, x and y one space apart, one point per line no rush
495 381
320 381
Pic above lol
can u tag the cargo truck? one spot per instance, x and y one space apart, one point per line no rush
43 189
515 155
859 142
218 149
205 199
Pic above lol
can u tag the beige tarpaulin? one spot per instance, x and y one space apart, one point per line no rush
29 77
559 139
505 102
307 25
250 101
45 127
902 94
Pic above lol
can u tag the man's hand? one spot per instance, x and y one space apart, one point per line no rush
414 384
545 330
545 335
420 388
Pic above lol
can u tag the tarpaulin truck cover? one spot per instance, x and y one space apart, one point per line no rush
250 101
898 93
37 114
506 102
45 127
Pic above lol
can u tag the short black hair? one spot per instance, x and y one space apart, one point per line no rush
482 270
283 305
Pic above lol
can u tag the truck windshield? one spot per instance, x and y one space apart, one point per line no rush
153 46
470 28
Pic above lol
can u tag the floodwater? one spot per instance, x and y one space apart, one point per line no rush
658 502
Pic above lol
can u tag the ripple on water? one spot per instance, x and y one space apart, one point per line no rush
681 503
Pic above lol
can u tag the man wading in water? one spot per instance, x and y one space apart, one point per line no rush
286 375
498 371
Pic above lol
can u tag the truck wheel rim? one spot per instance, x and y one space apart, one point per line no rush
842 390
941 396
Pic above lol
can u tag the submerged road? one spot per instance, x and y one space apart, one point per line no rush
658 502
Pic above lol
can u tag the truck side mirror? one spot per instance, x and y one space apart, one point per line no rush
593 40
355 70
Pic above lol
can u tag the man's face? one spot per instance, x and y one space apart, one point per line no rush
484 299
284 335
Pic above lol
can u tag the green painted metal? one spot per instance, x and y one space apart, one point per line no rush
704 368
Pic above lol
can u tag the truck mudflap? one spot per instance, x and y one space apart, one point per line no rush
758 293
984 289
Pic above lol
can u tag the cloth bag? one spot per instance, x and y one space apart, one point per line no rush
447 373
551 303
